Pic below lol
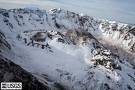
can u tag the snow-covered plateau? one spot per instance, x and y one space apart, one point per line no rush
65 50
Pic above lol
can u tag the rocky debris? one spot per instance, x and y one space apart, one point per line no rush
67 37
79 37
39 36
36 39
133 48
6 14
104 57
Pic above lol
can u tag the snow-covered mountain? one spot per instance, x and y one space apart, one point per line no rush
68 50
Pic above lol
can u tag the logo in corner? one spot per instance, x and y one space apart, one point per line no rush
11 85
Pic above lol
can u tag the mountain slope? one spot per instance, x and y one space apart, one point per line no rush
79 52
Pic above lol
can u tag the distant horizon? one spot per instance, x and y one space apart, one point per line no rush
120 11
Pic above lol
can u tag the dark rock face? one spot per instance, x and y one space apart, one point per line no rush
10 72
3 42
